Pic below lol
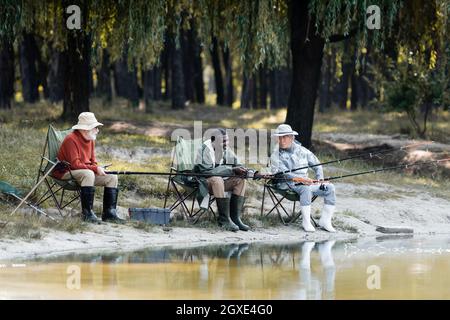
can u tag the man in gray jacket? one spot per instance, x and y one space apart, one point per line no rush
290 154
215 158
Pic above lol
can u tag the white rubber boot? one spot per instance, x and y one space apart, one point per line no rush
326 257
307 247
306 217
325 218
305 270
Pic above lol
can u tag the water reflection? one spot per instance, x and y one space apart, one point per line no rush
311 285
306 270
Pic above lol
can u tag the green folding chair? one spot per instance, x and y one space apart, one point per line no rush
186 188
277 195
56 189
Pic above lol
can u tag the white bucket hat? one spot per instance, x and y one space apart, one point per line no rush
284 130
86 121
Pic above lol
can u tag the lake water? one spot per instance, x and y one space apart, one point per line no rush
376 268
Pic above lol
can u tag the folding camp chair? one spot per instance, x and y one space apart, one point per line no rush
284 214
186 187
55 188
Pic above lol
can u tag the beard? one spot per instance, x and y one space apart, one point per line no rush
91 135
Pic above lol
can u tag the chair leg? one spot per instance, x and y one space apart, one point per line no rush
290 218
167 189
58 205
199 213
262 202
276 203
181 201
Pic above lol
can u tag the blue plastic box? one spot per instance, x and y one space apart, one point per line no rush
150 215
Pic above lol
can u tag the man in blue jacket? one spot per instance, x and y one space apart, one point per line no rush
290 154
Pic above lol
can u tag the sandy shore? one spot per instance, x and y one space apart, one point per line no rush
110 237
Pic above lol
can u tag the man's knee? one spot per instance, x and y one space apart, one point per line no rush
113 180
330 189
303 189
86 177
214 181
242 182
330 197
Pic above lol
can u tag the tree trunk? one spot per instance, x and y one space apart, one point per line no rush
6 74
193 70
178 96
229 92
56 76
157 83
187 49
325 85
198 75
76 83
28 53
126 81
273 92
306 63
247 92
151 82
284 89
104 89
263 88
254 91
348 66
354 99
42 69
167 68
218 79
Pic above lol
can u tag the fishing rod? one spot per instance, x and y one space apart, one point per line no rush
247 174
252 174
405 165
370 154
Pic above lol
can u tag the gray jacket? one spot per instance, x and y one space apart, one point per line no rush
206 162
295 157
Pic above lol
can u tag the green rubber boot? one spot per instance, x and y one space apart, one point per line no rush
236 206
223 206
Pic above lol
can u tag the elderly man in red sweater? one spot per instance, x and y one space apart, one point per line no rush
78 150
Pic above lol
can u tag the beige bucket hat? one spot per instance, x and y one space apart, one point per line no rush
284 130
86 121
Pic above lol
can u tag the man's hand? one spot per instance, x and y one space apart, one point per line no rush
259 176
240 171
100 171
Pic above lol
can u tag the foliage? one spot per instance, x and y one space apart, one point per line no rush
257 30
416 89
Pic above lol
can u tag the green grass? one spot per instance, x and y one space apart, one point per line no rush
144 226
349 213
32 227
342 226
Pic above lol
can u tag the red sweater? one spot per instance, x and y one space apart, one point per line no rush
77 151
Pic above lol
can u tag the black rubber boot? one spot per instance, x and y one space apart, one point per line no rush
110 205
236 206
223 206
87 204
